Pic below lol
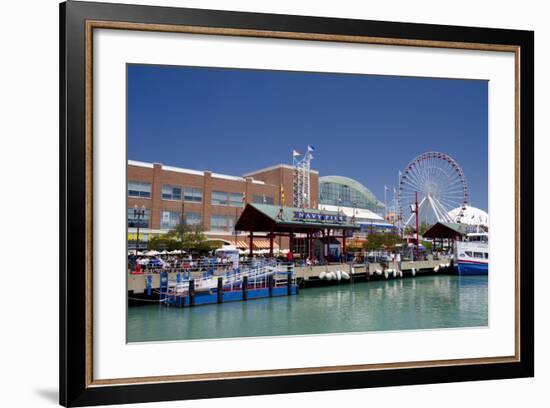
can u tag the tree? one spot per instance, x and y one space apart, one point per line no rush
191 237
391 240
186 237
374 241
378 241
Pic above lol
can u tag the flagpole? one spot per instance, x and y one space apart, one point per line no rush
385 202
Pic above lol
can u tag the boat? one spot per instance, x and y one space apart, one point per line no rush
472 254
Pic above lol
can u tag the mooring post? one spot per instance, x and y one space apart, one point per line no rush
192 292
270 285
245 287
220 289
289 283
149 285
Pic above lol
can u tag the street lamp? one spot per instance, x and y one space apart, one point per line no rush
138 214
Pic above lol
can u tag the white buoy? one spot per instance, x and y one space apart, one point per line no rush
447 265
323 275
436 268
338 275
395 273
353 271
378 272
386 275
332 276
345 275
413 272
400 274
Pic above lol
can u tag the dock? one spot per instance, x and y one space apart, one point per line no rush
302 276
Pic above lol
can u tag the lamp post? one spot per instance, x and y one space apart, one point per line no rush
139 213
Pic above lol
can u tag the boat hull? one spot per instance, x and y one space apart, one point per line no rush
472 268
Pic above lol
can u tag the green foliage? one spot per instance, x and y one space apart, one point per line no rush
190 238
162 242
427 244
379 240
353 248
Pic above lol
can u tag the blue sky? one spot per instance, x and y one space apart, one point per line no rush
364 127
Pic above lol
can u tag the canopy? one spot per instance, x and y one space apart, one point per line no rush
446 230
267 218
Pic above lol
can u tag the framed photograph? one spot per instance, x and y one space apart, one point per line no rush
257 204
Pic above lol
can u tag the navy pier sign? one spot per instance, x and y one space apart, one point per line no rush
309 216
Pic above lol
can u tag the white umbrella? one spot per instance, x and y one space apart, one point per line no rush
152 252
165 252
177 251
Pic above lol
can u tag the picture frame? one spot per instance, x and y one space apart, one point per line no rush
78 20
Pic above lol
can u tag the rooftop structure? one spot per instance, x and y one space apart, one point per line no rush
346 192
470 215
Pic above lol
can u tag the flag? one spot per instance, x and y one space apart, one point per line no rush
386 188
295 153
310 148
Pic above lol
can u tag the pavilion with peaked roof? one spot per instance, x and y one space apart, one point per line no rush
446 230
276 221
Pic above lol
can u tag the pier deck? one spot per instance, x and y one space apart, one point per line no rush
308 275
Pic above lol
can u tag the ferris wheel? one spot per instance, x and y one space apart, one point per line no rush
437 183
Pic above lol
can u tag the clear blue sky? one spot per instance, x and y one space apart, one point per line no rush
364 127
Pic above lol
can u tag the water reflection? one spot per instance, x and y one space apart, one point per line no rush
419 303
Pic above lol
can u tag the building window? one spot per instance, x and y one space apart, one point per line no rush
222 223
192 194
171 192
227 199
141 221
193 218
139 189
219 198
169 219
235 199
262 199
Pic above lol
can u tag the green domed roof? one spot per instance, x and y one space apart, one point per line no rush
355 185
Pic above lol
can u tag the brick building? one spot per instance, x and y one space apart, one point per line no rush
212 200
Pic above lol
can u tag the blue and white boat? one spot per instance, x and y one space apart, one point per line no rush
472 254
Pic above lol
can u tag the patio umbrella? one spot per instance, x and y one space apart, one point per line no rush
152 252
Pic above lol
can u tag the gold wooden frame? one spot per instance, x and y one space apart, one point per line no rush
98 24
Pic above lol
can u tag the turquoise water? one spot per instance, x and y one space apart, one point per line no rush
427 302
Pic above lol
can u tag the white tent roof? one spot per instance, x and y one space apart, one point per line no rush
470 216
